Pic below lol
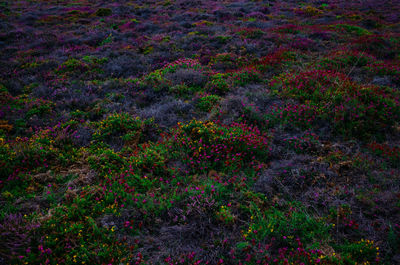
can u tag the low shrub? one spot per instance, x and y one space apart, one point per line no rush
354 110
208 145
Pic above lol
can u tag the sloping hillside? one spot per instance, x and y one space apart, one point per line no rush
199 132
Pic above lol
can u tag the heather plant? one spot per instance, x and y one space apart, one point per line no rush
199 132
122 125
207 145
76 228
297 115
297 223
289 28
261 252
245 76
151 158
356 110
164 78
392 154
382 68
87 67
381 46
219 84
250 33
309 11
37 153
17 233
224 61
302 144
345 60
281 58
351 29
25 106
182 64
207 102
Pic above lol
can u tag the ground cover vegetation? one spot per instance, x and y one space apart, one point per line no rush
200 132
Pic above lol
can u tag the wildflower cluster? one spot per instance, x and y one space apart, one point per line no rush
219 84
45 148
208 145
245 76
344 60
207 102
355 109
185 63
280 58
23 106
120 124
298 115
224 214
86 67
390 153
308 11
382 68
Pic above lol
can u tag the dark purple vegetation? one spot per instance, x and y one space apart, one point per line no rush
199 132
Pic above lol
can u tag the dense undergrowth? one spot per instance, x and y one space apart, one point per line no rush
199 132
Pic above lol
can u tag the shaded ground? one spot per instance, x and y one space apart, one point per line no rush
199 132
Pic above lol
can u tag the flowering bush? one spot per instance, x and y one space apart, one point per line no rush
207 102
246 75
120 124
45 148
219 84
390 153
208 145
354 109
300 115
345 60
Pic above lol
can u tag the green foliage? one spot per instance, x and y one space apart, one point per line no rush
207 102
223 39
107 161
88 66
74 225
345 61
120 124
99 188
355 110
184 91
38 152
219 84
360 251
207 145
287 226
245 76
351 29
225 215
